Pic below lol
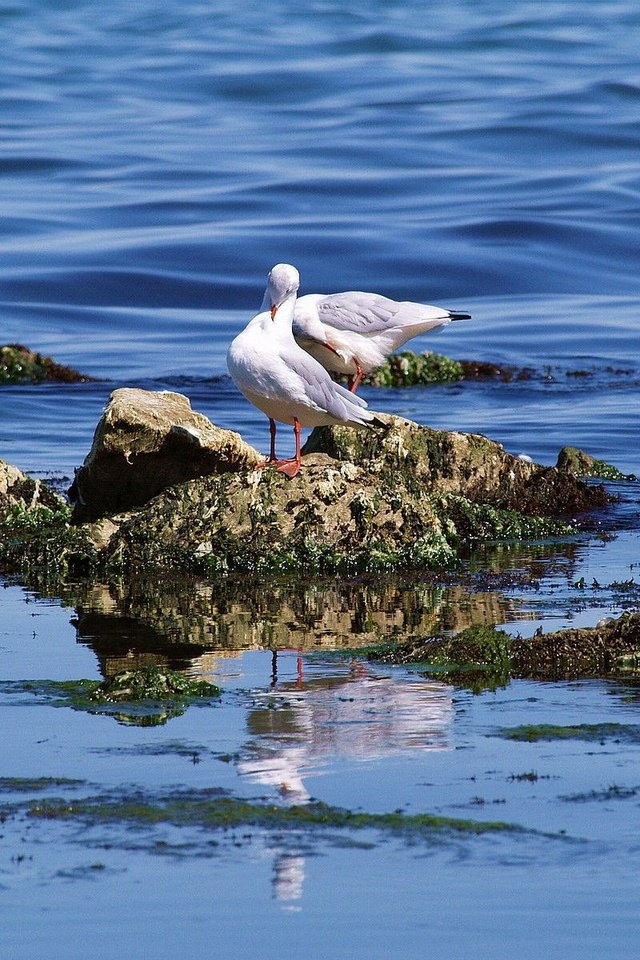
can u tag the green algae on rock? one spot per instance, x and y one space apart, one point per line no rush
150 683
610 649
599 732
23 498
19 365
34 784
408 369
148 696
579 652
469 465
574 461
478 658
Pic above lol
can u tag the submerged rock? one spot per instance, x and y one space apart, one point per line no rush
151 683
410 369
19 364
145 442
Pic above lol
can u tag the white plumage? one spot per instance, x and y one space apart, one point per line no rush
352 333
280 378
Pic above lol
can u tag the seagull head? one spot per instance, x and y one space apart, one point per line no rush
283 283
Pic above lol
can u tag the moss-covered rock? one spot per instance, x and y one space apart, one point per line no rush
213 810
408 369
478 657
148 696
468 465
571 460
19 364
22 498
397 497
609 649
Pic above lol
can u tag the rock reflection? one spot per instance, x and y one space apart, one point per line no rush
357 715
177 623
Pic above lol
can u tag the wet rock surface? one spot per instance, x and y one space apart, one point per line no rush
145 442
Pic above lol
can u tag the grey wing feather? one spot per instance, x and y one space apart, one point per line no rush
357 311
330 396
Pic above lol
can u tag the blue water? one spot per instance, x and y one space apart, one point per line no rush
157 158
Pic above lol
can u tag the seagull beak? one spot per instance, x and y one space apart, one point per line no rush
274 309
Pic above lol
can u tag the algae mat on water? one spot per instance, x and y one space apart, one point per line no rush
145 697
213 809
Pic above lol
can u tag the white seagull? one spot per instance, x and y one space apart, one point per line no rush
281 379
352 333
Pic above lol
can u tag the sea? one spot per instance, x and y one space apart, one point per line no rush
156 159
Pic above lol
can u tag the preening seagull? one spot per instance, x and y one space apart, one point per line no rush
352 333
282 379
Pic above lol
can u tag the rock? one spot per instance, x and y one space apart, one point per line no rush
19 492
400 496
408 369
403 496
145 442
465 464
571 460
580 652
19 364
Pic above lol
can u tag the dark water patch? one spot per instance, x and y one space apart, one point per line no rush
614 792
35 784
193 752
90 871
27 167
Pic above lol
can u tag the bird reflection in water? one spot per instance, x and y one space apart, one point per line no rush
299 727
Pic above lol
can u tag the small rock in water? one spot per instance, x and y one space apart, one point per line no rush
152 683
19 364
19 492
573 460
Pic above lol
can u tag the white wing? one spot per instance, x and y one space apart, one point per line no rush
321 391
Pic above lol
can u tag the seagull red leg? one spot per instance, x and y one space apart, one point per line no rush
291 467
354 382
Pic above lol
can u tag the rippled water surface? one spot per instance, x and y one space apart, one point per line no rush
155 160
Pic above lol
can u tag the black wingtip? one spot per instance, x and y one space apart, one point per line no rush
456 315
